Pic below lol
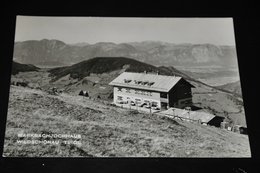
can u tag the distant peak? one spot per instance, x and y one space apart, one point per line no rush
105 43
80 44
51 40
44 39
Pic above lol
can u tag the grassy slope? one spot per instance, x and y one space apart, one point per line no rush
109 131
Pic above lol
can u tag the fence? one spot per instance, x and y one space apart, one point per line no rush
145 110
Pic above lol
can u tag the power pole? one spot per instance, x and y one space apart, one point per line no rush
189 114
174 113
188 108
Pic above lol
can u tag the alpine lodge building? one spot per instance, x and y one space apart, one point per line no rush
158 91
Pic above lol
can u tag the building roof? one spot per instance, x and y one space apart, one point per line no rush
182 113
145 81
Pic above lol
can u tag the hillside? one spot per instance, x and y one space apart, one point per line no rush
17 67
234 87
151 52
106 131
101 65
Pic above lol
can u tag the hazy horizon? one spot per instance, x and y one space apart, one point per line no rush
120 43
92 30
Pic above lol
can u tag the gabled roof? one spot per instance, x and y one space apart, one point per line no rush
145 81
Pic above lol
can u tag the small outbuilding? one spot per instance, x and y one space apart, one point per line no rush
201 117
240 129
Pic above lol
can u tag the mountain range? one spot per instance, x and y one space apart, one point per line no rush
56 52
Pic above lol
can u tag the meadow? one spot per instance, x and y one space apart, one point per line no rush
107 131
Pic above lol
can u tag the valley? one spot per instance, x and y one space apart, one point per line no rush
211 75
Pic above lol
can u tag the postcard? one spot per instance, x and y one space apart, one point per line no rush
125 87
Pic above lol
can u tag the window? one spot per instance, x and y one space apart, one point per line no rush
154 104
163 95
141 92
138 101
127 80
138 92
146 101
128 90
119 98
150 83
144 82
186 102
119 89
182 102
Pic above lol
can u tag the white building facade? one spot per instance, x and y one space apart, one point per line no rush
137 96
152 89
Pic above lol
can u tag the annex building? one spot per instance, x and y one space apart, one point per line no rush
155 90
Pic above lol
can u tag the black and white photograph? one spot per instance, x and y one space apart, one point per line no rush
125 87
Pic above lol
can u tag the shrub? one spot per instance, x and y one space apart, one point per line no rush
23 84
84 81
81 93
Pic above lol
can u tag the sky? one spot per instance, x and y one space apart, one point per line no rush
218 31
